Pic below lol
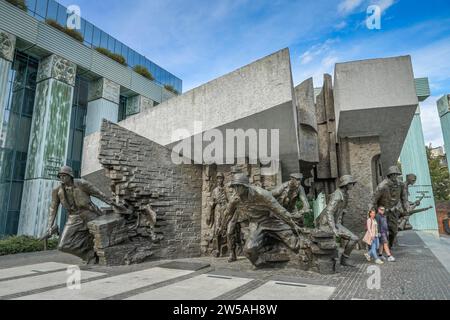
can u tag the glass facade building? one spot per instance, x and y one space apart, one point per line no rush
15 135
51 99
96 38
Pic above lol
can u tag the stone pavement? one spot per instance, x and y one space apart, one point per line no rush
417 274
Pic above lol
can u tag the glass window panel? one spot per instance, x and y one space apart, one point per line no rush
82 27
31 5
77 145
19 169
125 53
130 57
88 30
62 15
41 8
118 47
16 105
15 196
7 164
96 37
52 11
104 40
111 44
12 223
31 76
22 140
28 102
80 120
83 94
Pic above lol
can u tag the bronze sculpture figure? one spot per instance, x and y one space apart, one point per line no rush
288 195
75 196
218 205
268 220
391 194
331 218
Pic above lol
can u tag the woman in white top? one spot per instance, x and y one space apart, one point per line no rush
372 238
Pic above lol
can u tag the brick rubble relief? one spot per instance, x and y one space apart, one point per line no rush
143 176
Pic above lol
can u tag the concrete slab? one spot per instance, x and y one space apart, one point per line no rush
33 269
104 288
22 285
203 287
277 290
259 95
376 97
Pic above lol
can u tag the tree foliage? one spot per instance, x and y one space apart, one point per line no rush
440 177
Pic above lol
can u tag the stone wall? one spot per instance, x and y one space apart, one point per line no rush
142 173
361 153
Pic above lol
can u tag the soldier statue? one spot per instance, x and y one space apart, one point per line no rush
288 195
268 220
331 218
218 205
392 195
404 223
75 196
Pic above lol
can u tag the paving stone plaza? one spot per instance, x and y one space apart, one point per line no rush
418 274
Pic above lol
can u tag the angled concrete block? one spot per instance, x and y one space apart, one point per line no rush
259 95
376 98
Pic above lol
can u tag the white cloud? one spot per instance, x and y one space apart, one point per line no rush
316 50
346 7
341 25
384 4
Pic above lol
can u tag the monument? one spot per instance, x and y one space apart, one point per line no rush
246 201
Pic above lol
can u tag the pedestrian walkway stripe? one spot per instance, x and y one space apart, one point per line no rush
275 290
111 286
49 280
202 287
33 269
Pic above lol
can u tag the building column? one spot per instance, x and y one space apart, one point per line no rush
414 160
444 114
137 104
7 46
49 140
104 98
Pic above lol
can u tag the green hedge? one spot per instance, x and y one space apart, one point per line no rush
23 244
19 4
71 32
143 71
116 57
171 89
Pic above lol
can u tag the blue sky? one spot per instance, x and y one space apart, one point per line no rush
200 40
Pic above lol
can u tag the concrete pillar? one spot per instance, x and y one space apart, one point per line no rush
444 113
48 141
308 136
137 104
7 46
104 98
414 160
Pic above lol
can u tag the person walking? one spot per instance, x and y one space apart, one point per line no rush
371 238
384 235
